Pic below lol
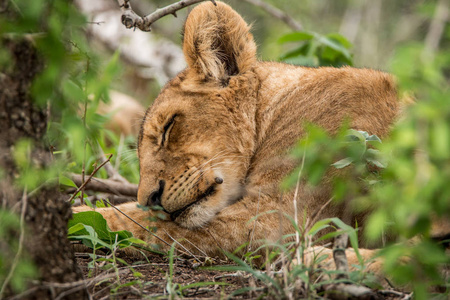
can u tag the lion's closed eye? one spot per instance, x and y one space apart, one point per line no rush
166 130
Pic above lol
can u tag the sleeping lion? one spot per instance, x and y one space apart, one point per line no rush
213 147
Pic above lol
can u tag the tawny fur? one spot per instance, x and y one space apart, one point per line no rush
229 117
126 113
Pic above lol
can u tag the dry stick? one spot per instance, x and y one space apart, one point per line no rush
21 238
313 218
132 20
113 174
90 177
215 240
83 171
278 14
297 235
195 246
316 215
249 247
107 186
340 259
187 251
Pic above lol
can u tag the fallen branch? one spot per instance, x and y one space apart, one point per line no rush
107 186
132 20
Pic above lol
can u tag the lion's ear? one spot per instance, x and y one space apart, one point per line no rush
217 42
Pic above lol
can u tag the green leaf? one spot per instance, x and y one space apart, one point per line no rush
319 225
355 135
340 39
75 228
335 46
307 61
373 138
63 180
377 163
98 223
376 224
343 163
296 36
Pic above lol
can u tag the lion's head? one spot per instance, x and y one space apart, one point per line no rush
197 138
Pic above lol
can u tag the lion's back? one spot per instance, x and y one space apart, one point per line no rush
292 96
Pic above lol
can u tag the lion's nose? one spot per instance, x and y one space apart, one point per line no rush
155 197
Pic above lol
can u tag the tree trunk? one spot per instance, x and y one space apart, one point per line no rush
46 213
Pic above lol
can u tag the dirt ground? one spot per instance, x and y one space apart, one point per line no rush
141 278
152 282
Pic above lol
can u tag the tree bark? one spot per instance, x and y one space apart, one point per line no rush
46 213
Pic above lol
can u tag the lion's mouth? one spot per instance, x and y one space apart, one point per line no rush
202 197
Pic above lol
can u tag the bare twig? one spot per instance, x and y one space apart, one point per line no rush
132 20
152 233
297 234
113 174
278 14
90 177
135 222
179 244
340 259
437 26
21 239
83 171
107 186
311 221
131 219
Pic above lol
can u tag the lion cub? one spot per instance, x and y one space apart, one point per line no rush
213 146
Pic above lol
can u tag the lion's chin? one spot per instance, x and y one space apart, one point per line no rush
195 216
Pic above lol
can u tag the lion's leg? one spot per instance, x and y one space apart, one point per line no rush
118 221
244 222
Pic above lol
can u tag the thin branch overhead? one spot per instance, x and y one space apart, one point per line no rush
278 14
132 20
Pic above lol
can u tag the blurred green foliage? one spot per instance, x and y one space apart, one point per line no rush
313 49
73 81
412 191
19 268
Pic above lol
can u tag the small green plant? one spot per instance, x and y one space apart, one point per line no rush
291 268
92 230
